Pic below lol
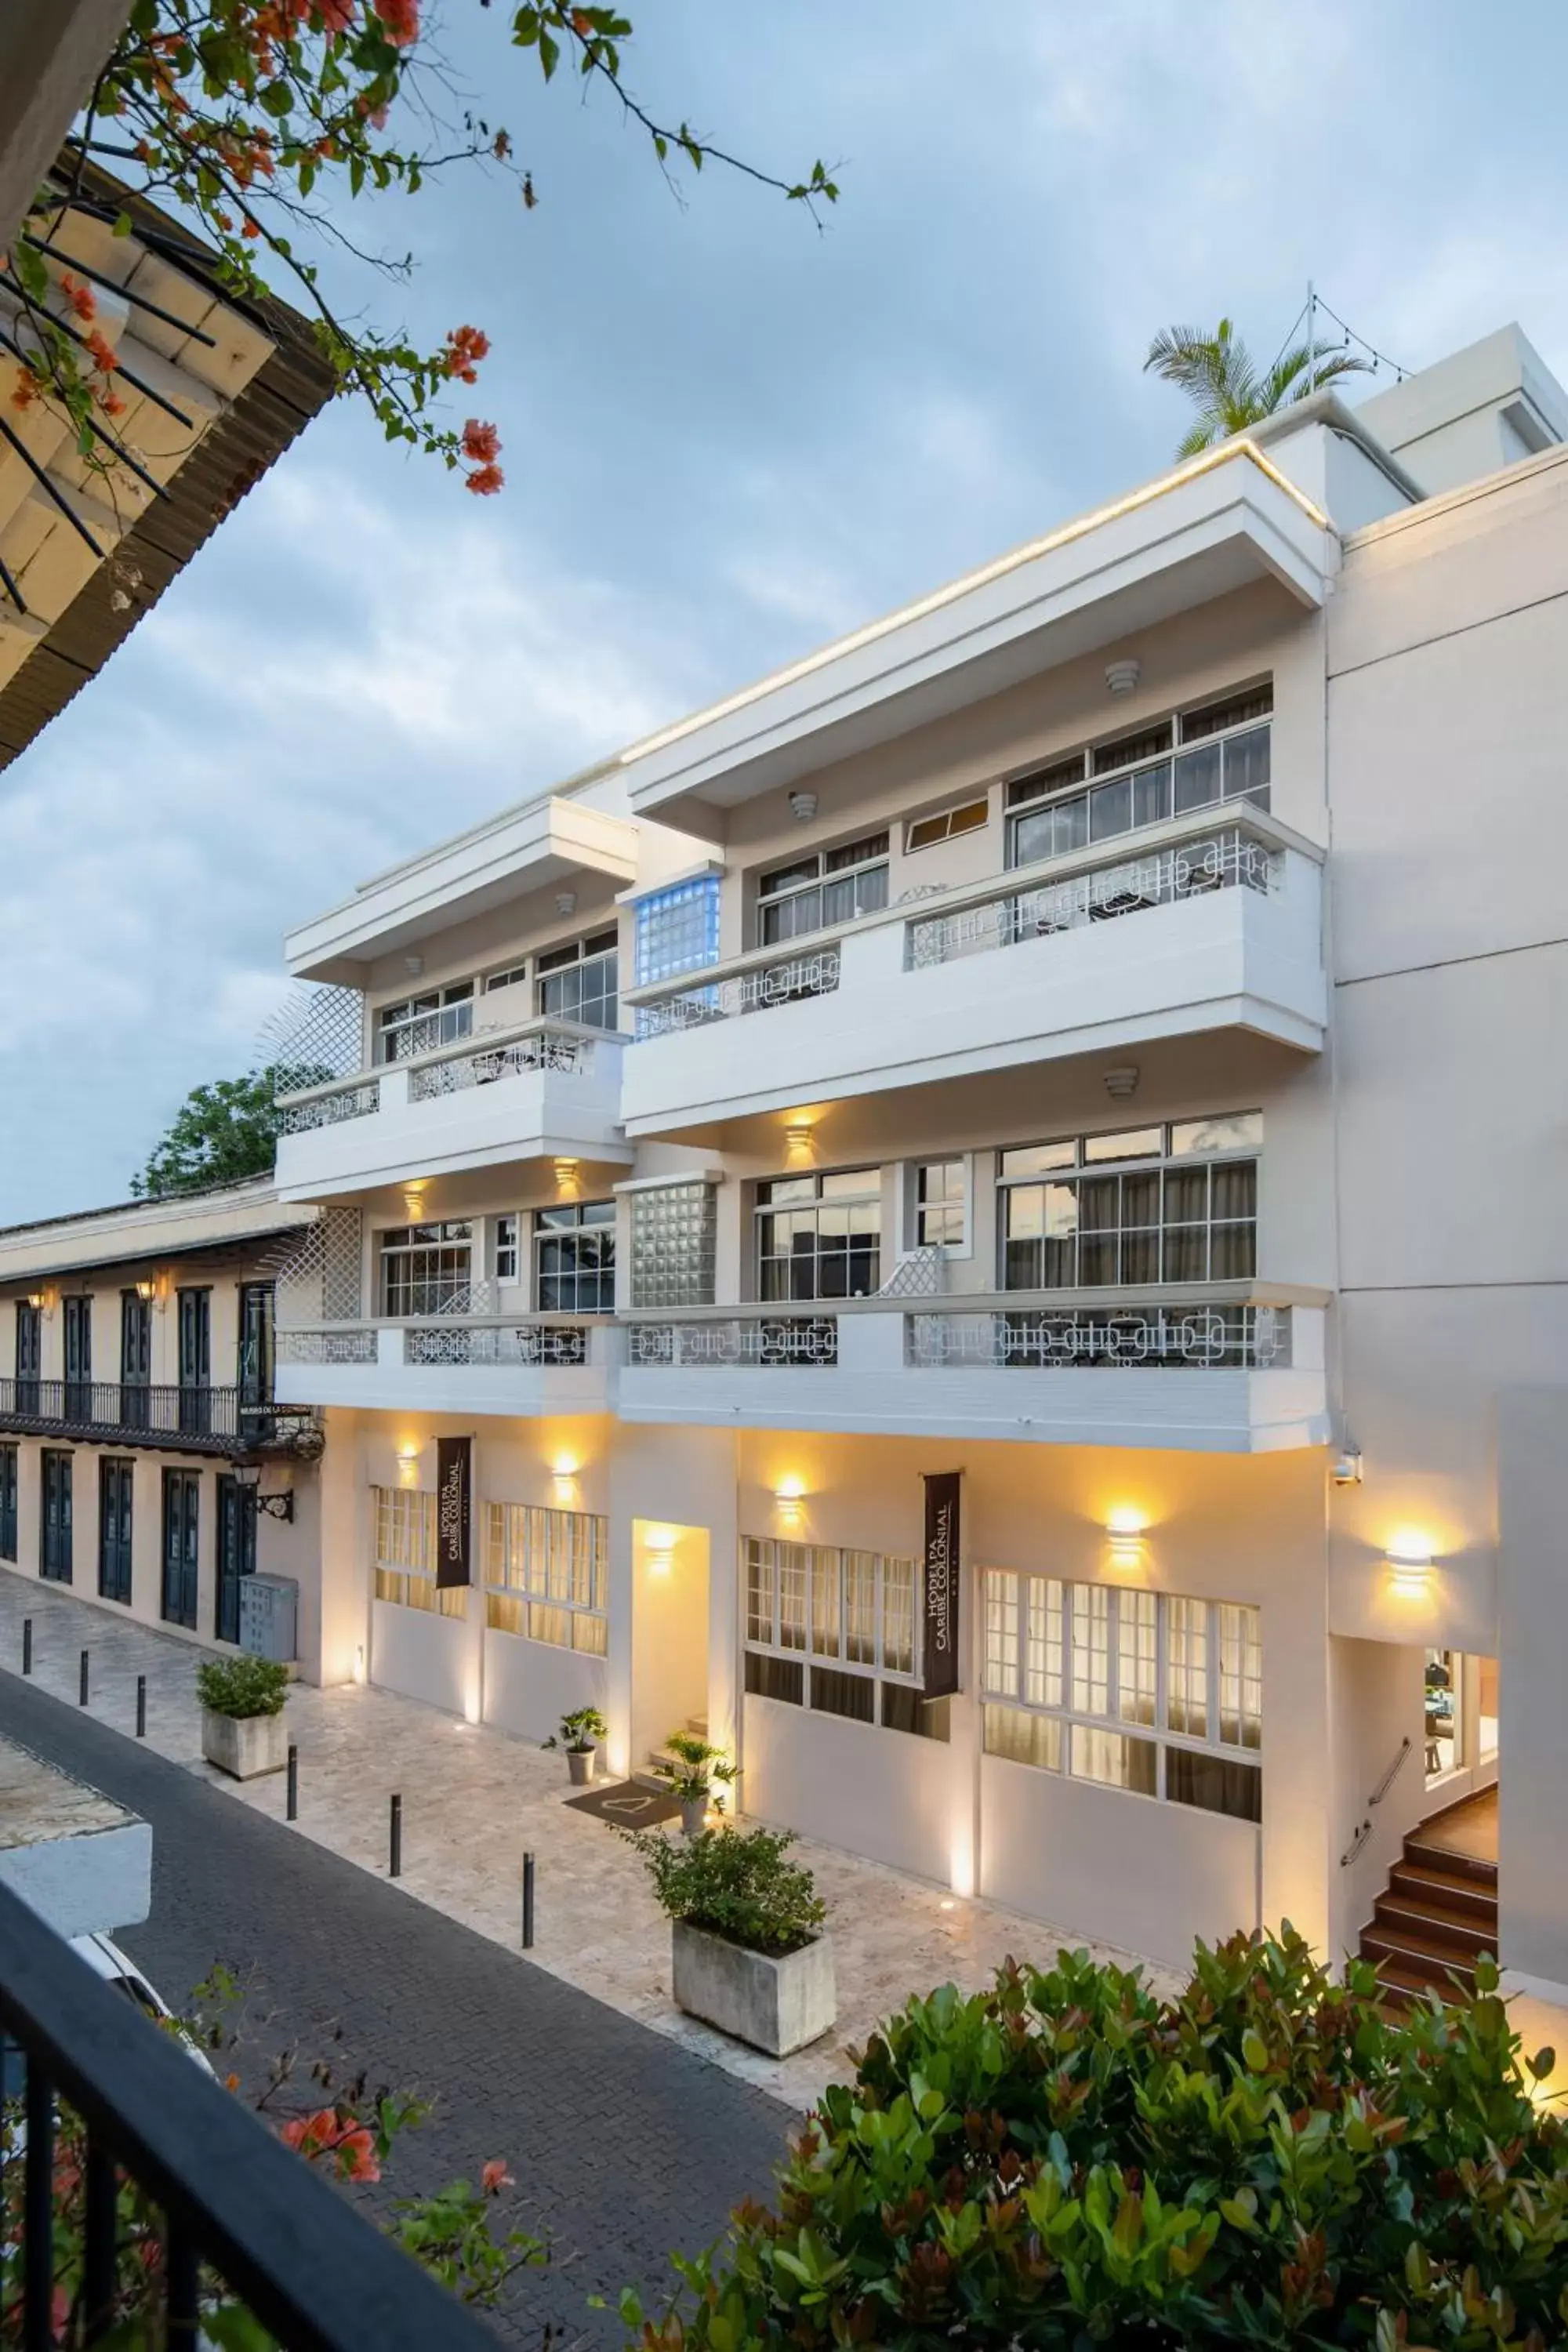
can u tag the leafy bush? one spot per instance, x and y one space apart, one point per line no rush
1067 2161
697 1768
735 1883
243 1686
582 1729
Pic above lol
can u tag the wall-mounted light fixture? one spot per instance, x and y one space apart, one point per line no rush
1410 1572
566 902
1347 1468
803 807
566 1175
413 965
1121 1083
35 1299
150 1290
658 1547
1122 677
279 1506
408 1463
797 1142
413 1202
789 1497
1124 1534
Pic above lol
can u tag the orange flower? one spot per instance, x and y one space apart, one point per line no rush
485 482
336 15
480 442
27 391
112 406
356 2157
103 351
230 2082
401 20
466 346
83 300
495 2176
250 228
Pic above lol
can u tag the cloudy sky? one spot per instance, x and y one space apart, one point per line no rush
727 438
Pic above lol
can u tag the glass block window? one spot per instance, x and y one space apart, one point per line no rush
1156 1693
674 1242
677 929
545 1575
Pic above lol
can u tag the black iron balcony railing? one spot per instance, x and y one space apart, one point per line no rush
244 2219
139 1413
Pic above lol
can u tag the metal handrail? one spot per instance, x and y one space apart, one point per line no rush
132 1410
473 1040
314 2271
1355 1845
1392 1774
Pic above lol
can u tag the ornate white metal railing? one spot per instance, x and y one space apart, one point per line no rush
918 1275
521 1343
357 1347
1224 860
1206 1338
328 1109
782 981
777 1341
480 1065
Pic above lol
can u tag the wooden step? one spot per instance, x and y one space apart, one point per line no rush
1397 1915
1417 1955
1468 1866
1400 1986
1420 1881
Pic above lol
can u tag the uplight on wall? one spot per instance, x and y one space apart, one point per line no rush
413 1202
563 1478
408 1463
566 1175
1410 1572
1124 1535
797 1142
658 1547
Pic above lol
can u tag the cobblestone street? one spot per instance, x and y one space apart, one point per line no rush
474 1800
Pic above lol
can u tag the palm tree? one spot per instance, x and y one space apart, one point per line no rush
1217 374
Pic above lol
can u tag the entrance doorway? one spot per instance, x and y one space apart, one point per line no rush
236 1552
669 1634
1461 1722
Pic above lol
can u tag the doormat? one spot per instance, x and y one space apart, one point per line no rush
628 1805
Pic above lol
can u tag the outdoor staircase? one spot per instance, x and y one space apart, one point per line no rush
1437 1917
651 1774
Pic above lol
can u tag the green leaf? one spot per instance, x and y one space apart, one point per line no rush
122 225
549 52
278 100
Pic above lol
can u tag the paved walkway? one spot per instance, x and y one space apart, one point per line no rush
622 2146
474 1800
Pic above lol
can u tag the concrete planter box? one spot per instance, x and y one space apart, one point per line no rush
244 1746
775 2005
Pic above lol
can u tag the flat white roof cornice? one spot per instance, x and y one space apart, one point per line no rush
521 850
1223 519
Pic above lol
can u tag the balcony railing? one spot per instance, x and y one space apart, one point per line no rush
130 1412
781 980
767 1339
493 1343
472 1060
1184 1337
245 2221
1224 860
355 1343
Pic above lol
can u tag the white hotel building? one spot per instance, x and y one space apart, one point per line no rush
1097 1031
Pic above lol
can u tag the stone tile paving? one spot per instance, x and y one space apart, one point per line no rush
475 1799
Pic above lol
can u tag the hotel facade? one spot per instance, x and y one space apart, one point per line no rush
981 1217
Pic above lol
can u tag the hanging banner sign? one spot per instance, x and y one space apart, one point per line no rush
454 1510
942 1584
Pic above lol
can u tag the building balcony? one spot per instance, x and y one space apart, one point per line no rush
543 1090
530 1368
1213 923
177 1419
1241 1370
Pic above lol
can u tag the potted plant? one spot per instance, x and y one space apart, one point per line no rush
747 1949
243 1731
691 1768
580 1734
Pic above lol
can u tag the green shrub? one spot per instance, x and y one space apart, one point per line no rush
735 1883
1270 2160
582 1730
243 1686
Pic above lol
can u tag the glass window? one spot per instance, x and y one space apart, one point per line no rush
825 1626
405 1553
1126 751
419 1024
940 1204
546 1571
1234 710
1067 1667
1229 761
513 977
823 890
575 1259
819 1236
1129 1143
1233 1130
1163 1222
674 1245
426 1270
580 981
927 831
506 1248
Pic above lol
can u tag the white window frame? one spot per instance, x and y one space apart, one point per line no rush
506 1246
512 975
543 1564
551 964
425 1019
403 1545
447 1237
1170 1162
963 1246
943 817
823 877
1028 1617
868 1194
824 1647
1064 791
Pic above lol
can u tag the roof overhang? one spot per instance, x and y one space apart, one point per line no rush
523 849
1226 520
229 1220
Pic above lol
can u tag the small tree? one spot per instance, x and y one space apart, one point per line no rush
1221 379
222 1133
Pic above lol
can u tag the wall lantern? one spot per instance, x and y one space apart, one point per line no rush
147 1289
798 1151
658 1544
566 1172
1124 1533
247 1478
1121 676
1410 1573
35 1299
